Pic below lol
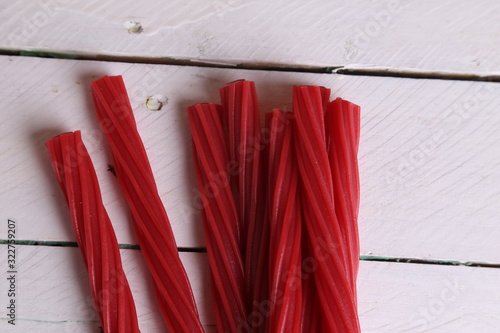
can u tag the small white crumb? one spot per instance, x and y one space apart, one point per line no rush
156 102
133 27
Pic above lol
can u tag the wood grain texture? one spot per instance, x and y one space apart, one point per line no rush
54 295
449 35
429 157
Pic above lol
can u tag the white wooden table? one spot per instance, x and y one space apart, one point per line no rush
429 155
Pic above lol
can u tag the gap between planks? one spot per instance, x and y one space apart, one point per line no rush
356 70
204 250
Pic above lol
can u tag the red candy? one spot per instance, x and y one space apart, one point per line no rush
296 196
94 233
220 217
280 210
151 224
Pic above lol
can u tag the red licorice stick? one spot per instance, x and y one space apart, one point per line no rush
285 228
220 218
257 264
151 224
241 118
94 233
342 121
311 309
328 245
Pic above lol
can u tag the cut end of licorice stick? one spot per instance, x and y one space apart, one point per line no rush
151 224
94 233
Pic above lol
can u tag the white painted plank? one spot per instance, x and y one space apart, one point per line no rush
427 298
53 292
429 157
452 35
54 295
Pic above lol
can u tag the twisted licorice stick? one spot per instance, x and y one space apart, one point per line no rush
94 233
241 118
342 122
151 224
328 246
285 225
220 218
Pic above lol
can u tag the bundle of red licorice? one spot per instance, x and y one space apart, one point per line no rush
280 205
